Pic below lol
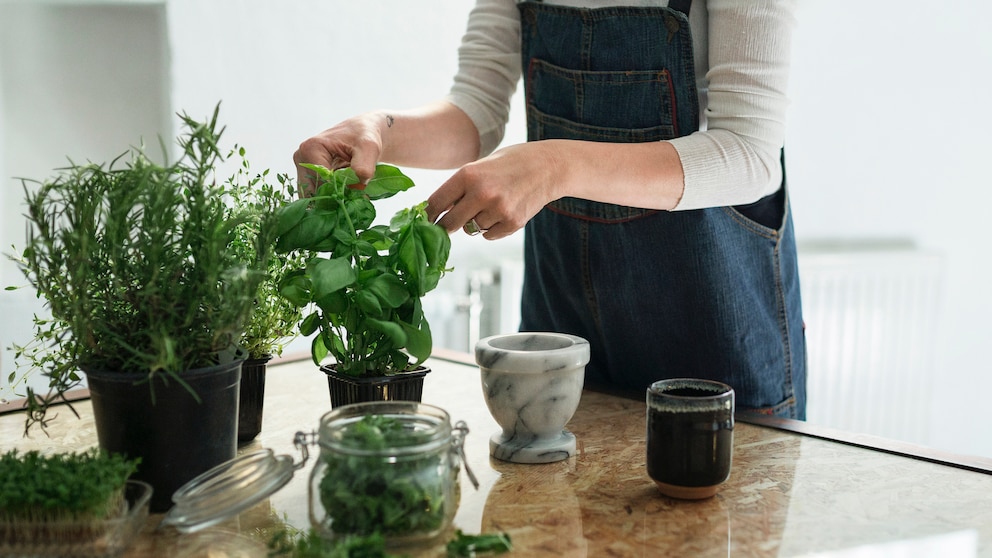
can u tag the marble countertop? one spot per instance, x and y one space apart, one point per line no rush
789 493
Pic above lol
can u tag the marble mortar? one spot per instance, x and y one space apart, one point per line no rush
532 383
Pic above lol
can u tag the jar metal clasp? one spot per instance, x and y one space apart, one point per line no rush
302 441
458 439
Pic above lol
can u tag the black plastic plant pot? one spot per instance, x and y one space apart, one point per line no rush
403 386
160 421
252 395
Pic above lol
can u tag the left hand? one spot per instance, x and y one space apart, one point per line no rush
502 191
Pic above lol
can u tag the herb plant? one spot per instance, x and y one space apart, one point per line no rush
364 493
137 263
69 486
274 318
309 544
468 546
363 282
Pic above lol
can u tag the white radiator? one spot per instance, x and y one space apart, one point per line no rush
871 312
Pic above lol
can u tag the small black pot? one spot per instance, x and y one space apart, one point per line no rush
345 389
176 436
252 395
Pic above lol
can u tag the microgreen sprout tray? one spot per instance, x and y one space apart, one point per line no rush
92 539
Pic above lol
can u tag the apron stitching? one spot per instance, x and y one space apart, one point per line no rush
587 282
783 320
765 232
667 77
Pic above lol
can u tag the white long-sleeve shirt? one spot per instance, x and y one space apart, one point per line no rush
742 51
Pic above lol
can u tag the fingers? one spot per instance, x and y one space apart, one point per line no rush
363 162
355 143
442 201
452 215
478 202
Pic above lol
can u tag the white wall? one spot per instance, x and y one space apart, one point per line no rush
79 81
887 132
888 137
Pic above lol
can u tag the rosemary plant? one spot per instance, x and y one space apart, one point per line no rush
138 265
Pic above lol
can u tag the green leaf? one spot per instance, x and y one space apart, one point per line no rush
413 261
311 232
295 287
436 242
378 236
368 302
388 181
310 324
290 214
418 341
467 546
393 331
362 213
368 285
324 174
318 350
346 177
333 304
328 276
389 289
401 219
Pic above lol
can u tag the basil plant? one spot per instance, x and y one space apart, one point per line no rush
362 283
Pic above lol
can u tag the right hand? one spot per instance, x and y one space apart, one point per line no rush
356 142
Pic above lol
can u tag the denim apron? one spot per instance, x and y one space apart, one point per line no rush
711 293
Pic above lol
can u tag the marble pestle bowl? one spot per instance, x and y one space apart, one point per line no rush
532 383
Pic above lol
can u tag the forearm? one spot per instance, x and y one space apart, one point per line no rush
647 175
435 136
503 191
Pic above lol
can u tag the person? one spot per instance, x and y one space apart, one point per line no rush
651 188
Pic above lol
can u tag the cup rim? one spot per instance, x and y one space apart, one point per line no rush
674 383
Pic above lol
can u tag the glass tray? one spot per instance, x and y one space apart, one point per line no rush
108 538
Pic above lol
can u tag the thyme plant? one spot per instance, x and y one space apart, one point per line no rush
274 319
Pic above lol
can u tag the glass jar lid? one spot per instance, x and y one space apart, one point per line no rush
228 489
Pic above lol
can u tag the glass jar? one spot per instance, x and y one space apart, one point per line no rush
390 467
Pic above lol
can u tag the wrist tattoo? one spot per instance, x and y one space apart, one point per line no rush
389 121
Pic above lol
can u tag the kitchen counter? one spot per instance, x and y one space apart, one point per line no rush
794 490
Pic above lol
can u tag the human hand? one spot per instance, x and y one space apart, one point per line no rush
500 192
356 142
